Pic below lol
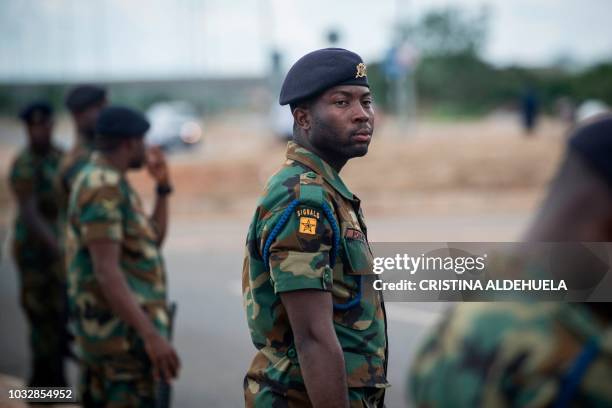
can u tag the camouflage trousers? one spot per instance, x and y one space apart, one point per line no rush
117 382
43 299
259 395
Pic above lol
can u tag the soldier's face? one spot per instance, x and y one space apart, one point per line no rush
137 153
40 134
86 120
342 121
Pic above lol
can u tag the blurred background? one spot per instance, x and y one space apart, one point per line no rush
474 99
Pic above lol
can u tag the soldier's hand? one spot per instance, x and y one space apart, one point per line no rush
163 357
157 166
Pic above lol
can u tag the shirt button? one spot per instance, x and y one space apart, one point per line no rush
291 353
327 278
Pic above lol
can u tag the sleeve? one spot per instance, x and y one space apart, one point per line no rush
21 178
300 253
100 216
442 373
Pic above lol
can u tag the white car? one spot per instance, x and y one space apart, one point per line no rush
174 124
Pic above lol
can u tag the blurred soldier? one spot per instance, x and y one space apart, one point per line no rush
37 253
319 328
116 276
534 354
84 103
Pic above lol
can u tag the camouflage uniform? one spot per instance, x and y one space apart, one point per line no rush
43 292
514 354
69 168
300 258
116 368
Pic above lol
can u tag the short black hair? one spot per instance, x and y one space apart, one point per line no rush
82 97
35 112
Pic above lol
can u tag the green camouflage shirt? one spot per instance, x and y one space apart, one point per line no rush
69 168
512 354
104 206
34 174
300 259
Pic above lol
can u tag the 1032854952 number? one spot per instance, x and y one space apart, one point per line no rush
40 394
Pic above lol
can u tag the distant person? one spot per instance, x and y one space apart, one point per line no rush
318 326
84 103
36 251
529 110
117 278
565 109
538 354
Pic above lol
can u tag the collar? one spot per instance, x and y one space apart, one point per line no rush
319 166
98 159
85 143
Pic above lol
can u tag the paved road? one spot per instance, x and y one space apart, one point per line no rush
204 260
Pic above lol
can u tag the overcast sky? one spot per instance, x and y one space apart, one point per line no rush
119 39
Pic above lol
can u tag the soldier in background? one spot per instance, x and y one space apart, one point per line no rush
536 354
84 103
36 250
116 275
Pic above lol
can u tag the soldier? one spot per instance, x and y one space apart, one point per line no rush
318 326
37 254
116 276
84 103
534 354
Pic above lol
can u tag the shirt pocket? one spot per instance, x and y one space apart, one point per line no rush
138 224
355 301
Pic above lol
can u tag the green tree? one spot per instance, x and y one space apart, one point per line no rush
449 31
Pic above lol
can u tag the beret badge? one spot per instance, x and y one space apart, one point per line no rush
361 70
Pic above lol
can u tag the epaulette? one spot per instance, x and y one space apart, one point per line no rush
311 190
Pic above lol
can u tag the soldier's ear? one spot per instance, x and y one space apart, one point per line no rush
302 117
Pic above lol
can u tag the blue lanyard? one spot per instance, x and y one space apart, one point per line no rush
332 255
579 367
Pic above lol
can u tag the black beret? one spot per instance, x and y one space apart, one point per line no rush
593 141
82 97
320 70
35 112
121 122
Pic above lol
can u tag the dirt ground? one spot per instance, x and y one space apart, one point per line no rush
438 168
434 168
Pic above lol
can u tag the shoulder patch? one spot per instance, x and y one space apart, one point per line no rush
308 212
99 177
308 226
308 218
